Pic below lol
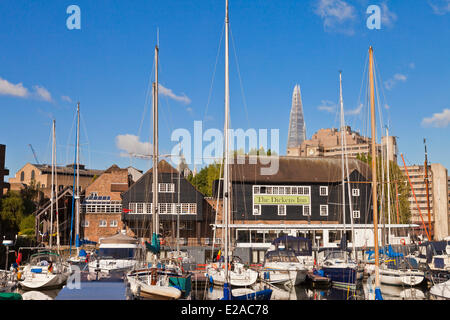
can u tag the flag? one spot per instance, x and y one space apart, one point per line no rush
218 255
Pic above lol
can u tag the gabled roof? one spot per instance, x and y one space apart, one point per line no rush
295 169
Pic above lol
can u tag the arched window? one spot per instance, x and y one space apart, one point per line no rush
22 176
32 175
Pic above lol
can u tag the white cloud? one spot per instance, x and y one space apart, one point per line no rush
336 15
440 7
169 93
9 89
355 111
398 77
438 120
327 106
43 93
387 17
412 65
66 98
131 145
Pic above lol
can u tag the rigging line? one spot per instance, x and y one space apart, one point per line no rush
70 138
87 138
146 100
214 73
240 78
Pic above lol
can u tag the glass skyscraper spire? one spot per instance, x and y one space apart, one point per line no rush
297 127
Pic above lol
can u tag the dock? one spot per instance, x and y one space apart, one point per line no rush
317 280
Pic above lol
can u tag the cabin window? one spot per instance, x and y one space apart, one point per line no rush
166 187
102 223
356 214
306 210
281 210
257 210
324 210
324 191
355 192
192 208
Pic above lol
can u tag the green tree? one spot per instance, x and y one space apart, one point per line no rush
398 182
27 225
12 212
203 180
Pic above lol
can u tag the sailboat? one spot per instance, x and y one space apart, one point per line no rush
337 265
46 269
159 282
233 273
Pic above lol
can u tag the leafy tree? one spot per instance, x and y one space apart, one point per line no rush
204 179
12 212
27 225
398 182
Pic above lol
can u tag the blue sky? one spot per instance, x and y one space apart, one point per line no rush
45 68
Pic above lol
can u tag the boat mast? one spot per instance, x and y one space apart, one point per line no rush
155 151
342 155
344 147
427 187
52 194
178 210
226 164
374 172
388 186
77 197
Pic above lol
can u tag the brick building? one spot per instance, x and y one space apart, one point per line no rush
102 205
41 174
327 143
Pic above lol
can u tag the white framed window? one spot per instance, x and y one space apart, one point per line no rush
323 191
307 210
85 224
102 223
257 210
192 208
324 210
140 207
356 214
94 194
113 223
355 192
281 210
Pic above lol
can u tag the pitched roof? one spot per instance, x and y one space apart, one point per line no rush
45 168
295 169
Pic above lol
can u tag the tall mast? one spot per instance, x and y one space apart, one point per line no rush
427 187
343 153
226 164
73 190
52 193
178 211
388 186
58 240
344 149
374 172
77 197
155 150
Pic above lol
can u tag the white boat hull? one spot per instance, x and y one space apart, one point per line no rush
441 290
244 279
44 281
401 278
153 292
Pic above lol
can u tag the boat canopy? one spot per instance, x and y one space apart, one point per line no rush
285 255
119 239
300 246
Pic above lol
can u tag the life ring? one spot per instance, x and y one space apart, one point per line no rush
403 242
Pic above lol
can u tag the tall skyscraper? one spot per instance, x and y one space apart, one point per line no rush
297 127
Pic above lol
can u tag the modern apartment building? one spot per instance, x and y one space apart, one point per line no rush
438 198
